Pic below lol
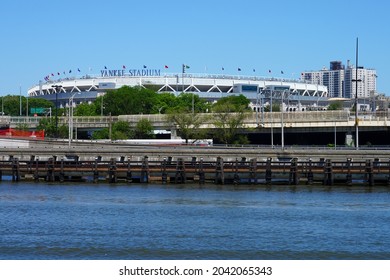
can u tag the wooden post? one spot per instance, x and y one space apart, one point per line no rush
129 175
15 170
328 173
219 172
112 171
50 170
369 176
310 173
180 176
145 170
36 173
62 175
293 178
252 170
268 172
349 174
95 171
201 172
164 175
236 177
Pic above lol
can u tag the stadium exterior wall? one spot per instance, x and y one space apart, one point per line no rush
206 86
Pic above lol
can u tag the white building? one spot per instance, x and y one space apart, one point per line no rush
340 80
211 87
366 85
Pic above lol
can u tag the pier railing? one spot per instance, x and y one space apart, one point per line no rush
180 170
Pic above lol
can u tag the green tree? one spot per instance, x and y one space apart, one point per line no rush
49 126
143 130
85 109
227 119
11 104
232 103
275 108
164 102
101 134
336 105
189 101
119 131
129 100
188 124
40 103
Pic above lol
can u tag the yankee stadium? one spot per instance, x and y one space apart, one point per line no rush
209 86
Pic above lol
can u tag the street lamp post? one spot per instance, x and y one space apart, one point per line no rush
272 121
56 87
71 118
102 106
282 120
20 100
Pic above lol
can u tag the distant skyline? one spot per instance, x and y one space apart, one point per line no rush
262 38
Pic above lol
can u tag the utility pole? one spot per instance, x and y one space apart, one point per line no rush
20 100
356 80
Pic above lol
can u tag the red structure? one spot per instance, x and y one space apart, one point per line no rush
16 133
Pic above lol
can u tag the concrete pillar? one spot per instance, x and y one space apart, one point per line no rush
349 140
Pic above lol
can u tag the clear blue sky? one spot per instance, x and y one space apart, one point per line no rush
43 37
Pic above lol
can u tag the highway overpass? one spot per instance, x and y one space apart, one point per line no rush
337 122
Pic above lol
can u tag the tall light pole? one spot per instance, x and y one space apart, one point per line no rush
71 118
56 87
356 80
272 121
20 100
282 120
102 105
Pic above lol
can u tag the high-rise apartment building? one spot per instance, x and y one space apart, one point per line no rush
340 80
366 85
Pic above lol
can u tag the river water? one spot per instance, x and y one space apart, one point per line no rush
102 221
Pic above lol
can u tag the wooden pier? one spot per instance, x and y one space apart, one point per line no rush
182 170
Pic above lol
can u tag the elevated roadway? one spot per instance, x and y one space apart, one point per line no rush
316 121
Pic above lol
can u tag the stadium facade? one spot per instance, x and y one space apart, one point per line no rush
212 87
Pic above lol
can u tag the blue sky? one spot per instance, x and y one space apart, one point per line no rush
43 37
